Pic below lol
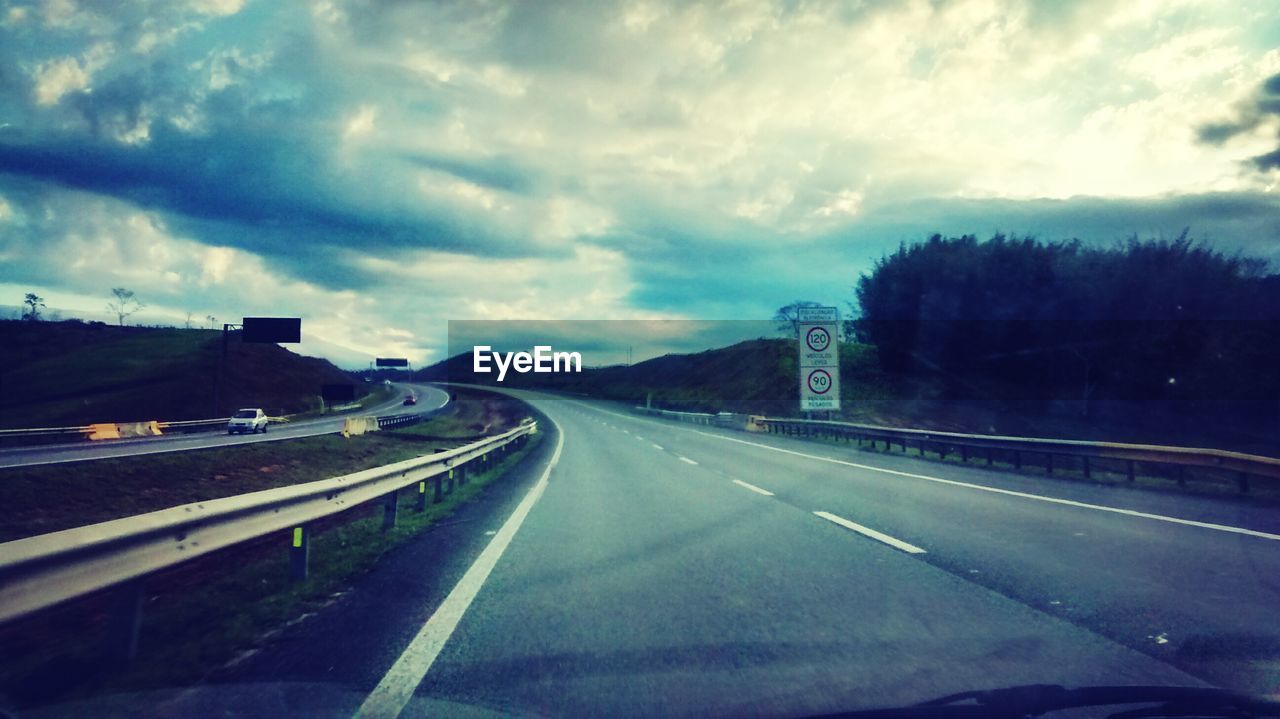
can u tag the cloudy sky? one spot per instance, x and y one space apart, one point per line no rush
381 167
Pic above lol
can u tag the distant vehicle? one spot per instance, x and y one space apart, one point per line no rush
410 399
248 420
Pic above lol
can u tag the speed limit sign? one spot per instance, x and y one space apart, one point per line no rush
819 359
818 339
819 381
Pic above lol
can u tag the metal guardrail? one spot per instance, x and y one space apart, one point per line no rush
687 417
42 571
1017 448
42 431
401 420
191 424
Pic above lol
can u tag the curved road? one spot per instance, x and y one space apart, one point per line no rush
429 398
645 568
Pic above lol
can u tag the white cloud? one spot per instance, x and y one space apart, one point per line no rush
361 123
217 7
58 77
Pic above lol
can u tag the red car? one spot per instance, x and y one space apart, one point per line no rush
410 399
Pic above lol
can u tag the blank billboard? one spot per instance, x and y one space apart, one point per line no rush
338 392
272 329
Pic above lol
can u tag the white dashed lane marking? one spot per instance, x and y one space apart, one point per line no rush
753 488
869 532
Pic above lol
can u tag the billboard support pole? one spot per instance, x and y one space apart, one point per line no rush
217 369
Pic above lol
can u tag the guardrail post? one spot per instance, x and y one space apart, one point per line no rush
1243 479
964 453
124 623
299 553
1048 464
1088 474
1017 460
989 460
422 497
1129 470
1182 475
390 508
448 486
439 488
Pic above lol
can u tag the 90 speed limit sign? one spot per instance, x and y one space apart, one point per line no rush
819 389
819 381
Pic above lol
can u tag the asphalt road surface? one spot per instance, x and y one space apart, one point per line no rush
637 567
429 398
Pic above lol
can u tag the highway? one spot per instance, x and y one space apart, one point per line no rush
429 398
638 567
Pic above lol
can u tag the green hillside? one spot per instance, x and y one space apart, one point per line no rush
73 373
752 376
760 377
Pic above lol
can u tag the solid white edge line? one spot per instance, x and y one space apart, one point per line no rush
656 446
1010 492
395 690
687 460
753 488
869 532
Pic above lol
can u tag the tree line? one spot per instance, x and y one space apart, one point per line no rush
123 304
1157 319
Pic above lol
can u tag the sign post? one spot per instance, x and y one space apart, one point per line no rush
819 359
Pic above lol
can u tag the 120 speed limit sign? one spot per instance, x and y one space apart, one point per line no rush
818 339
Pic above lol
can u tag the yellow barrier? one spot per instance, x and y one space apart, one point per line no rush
355 426
104 431
138 429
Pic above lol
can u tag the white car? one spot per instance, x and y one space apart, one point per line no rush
247 420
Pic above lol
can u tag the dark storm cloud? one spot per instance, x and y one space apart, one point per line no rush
673 272
1262 108
1247 221
1268 161
253 181
259 163
500 173
263 192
